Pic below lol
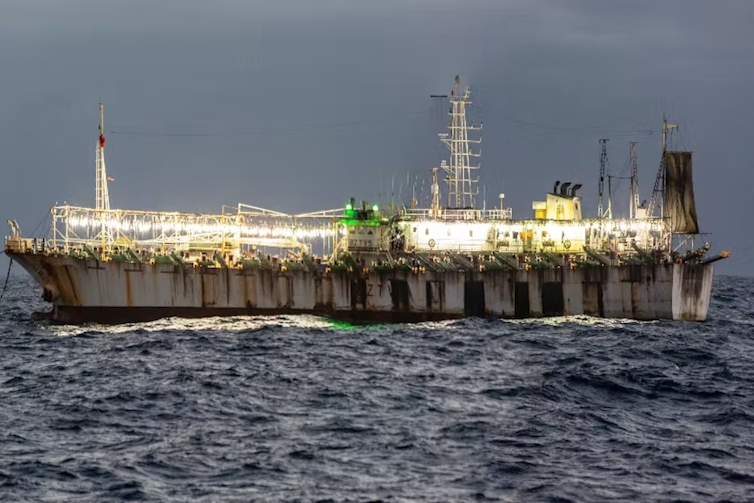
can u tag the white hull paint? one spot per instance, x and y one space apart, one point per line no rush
87 290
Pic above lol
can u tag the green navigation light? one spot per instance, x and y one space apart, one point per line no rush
375 208
349 207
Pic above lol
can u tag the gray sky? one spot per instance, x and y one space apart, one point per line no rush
298 105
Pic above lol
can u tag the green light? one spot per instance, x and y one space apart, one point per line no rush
349 207
375 208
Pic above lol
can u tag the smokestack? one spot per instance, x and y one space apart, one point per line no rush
564 188
555 189
574 189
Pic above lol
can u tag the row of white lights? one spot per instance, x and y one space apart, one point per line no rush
142 226
623 225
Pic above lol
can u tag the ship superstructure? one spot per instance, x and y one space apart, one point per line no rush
405 264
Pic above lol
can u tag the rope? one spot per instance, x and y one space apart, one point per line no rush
7 277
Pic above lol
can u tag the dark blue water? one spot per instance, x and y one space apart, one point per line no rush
302 409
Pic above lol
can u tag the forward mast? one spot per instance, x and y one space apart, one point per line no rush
461 185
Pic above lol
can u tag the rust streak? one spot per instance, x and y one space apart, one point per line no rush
226 271
245 280
49 274
204 299
72 286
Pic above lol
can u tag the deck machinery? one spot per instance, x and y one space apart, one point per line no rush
400 264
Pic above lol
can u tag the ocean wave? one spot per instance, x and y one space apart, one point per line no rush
300 408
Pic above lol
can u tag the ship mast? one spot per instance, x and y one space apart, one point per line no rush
634 207
659 189
461 190
101 195
103 198
603 163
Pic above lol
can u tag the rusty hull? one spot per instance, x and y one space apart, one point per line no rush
83 290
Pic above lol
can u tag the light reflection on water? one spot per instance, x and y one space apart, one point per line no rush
236 324
232 324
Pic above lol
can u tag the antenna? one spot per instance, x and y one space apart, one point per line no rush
435 191
634 203
603 161
101 194
667 128
413 193
461 190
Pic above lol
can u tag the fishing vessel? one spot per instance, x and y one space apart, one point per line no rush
399 264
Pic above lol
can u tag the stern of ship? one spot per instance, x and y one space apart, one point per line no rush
692 290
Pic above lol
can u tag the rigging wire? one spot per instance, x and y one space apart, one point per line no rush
435 113
535 131
280 130
550 130
546 131
44 219
496 112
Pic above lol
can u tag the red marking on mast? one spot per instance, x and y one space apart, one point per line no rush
102 140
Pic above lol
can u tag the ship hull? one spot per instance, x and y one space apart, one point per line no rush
83 290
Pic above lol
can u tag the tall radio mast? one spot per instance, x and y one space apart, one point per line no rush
634 207
461 190
101 195
603 163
